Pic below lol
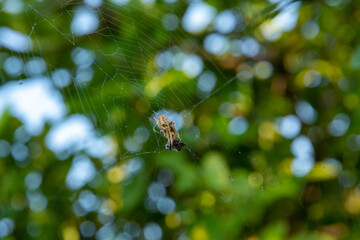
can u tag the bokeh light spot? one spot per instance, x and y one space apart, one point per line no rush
339 125
87 229
288 126
310 30
152 231
250 47
120 2
347 179
81 172
225 22
304 160
33 180
198 16
192 65
238 126
156 190
173 220
166 205
116 174
70 233
85 21
216 44
306 112
170 21
7 226
207 81
263 69
199 233
13 40
13 66
207 199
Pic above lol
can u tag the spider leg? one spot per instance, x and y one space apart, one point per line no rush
177 134
172 127
157 122
171 139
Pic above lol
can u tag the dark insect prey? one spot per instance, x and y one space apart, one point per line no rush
177 145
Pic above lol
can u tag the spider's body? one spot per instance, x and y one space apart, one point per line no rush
168 129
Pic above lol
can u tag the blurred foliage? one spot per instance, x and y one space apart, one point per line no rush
225 186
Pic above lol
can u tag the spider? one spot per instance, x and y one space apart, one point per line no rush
169 131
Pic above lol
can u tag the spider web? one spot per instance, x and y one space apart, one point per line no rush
114 76
129 66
